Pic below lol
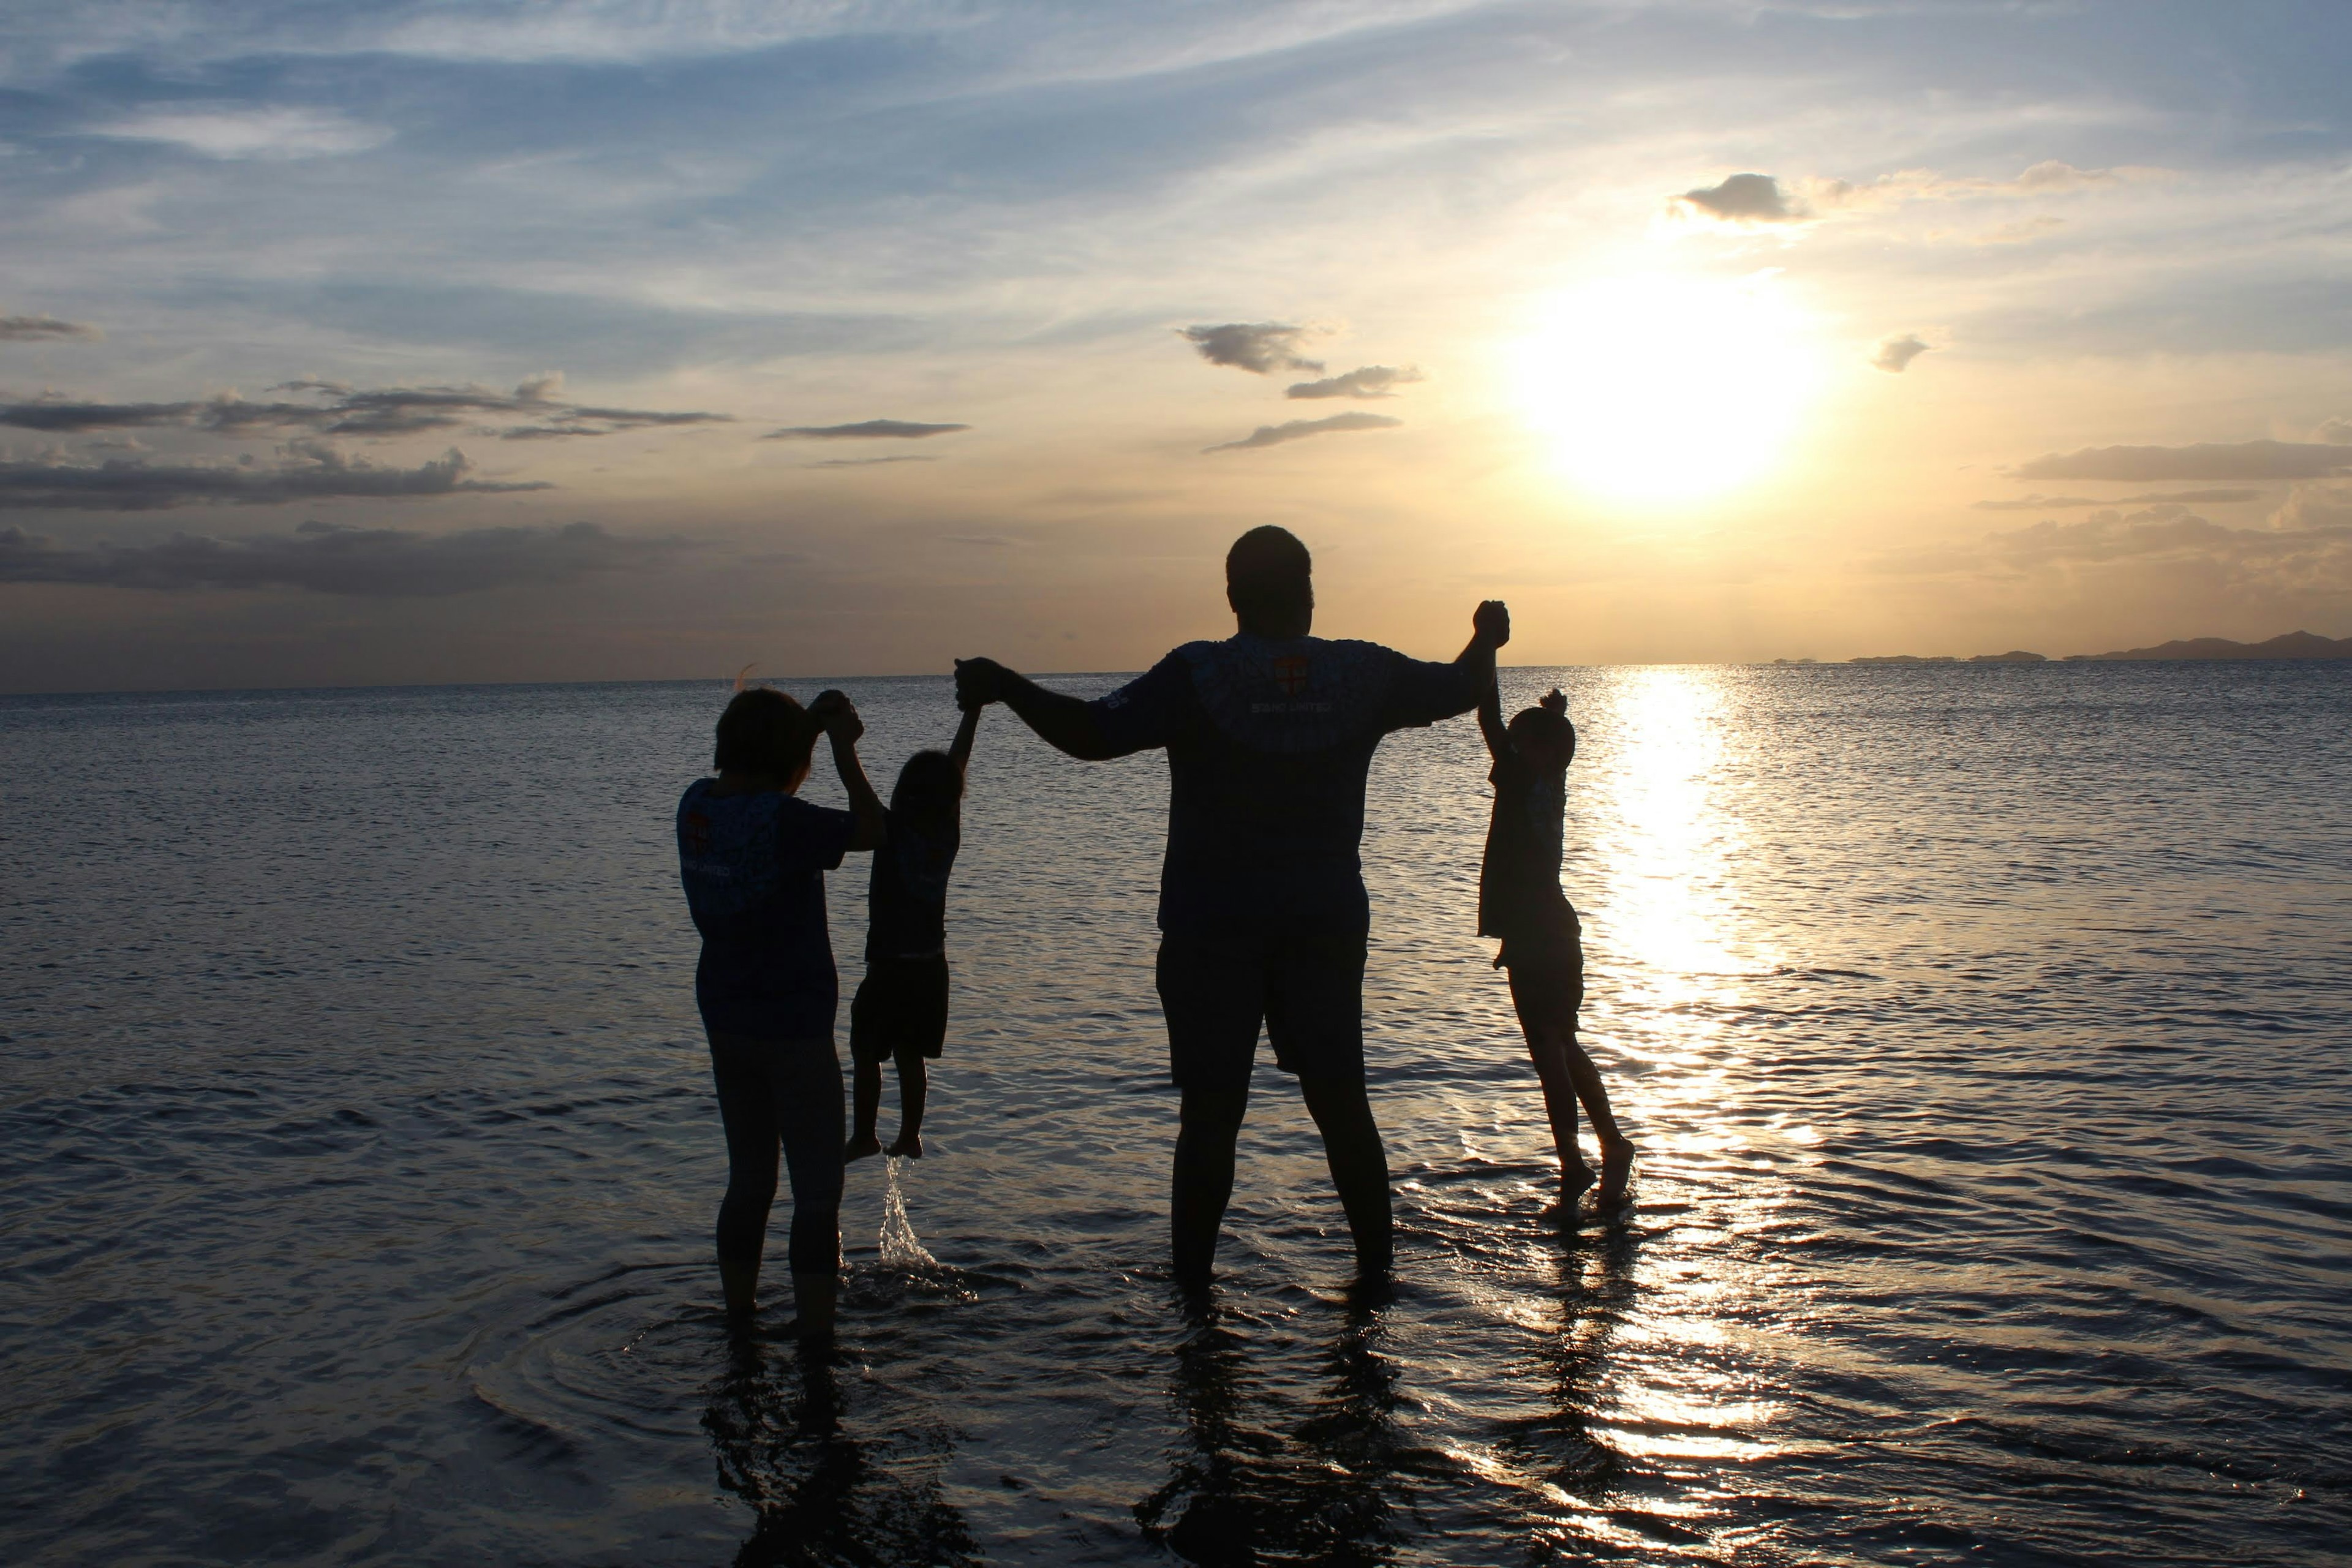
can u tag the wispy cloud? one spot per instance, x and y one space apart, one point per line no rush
1259 347
1371 381
343 410
310 470
865 430
43 328
1299 429
1897 354
372 563
2204 461
870 462
255 132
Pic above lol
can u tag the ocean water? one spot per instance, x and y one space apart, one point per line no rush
1985 1031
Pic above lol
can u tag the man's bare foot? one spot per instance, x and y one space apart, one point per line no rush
1616 1169
858 1148
907 1146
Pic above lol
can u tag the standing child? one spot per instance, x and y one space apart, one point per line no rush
753 856
900 1012
1520 902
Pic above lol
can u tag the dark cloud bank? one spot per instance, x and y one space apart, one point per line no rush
340 410
311 471
371 563
2206 461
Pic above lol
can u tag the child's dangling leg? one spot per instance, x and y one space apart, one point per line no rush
914 1086
1560 1106
1616 1149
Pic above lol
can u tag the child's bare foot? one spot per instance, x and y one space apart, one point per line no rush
907 1146
1616 1169
858 1148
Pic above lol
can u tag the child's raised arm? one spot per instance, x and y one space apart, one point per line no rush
843 727
960 754
1490 719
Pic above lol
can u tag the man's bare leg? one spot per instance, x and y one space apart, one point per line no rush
1211 1122
1549 1053
866 1095
1360 1167
814 1294
914 1088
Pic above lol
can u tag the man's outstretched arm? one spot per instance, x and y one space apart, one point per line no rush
1062 722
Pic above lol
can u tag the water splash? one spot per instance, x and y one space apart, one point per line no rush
901 1250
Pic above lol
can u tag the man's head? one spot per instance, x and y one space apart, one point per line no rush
1269 583
765 735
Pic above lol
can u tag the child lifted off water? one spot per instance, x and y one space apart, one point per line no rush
900 1012
1520 902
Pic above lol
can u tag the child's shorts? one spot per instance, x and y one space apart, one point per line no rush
901 1007
1546 965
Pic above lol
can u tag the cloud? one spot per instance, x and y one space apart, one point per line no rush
1371 381
1745 199
372 563
2310 549
2205 461
865 430
251 132
1259 347
1895 354
869 462
2061 504
2335 432
37 329
1299 429
346 411
310 470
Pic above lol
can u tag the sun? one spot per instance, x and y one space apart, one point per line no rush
1666 389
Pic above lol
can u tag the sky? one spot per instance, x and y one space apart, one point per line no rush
350 342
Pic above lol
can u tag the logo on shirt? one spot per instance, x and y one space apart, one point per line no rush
1290 675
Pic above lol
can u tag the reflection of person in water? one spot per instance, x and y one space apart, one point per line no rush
753 856
1262 913
819 1494
1328 1491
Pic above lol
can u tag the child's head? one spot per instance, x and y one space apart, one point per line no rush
1544 736
930 788
765 734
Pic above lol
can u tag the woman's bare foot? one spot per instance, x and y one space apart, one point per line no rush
1616 1169
1573 1179
907 1146
858 1148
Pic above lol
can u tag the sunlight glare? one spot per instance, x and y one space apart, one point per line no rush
1664 389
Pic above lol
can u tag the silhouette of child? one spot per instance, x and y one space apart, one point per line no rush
1519 900
900 1012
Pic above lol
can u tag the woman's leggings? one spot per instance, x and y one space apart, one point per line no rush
786 1092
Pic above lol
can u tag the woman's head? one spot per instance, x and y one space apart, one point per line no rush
929 787
764 734
1544 736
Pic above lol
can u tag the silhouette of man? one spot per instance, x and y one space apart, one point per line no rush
1262 913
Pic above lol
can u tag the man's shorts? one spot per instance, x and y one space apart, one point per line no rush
900 1008
1306 989
1546 962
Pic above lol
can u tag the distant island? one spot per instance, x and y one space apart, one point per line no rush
2294 644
